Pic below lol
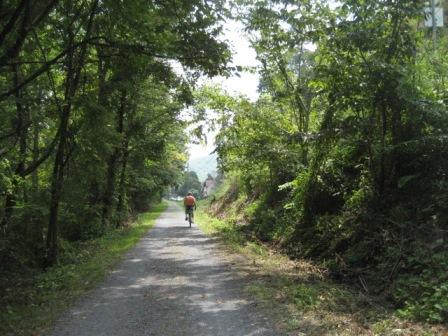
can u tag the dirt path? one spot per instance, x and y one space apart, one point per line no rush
176 281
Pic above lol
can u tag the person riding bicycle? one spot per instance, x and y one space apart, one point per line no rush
189 203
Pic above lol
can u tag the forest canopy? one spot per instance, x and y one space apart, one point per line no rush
90 125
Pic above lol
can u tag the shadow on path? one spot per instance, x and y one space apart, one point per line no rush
174 282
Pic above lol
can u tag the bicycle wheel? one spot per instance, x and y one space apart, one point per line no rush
189 218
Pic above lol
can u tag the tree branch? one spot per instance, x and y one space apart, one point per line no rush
142 49
48 151
8 27
44 68
26 28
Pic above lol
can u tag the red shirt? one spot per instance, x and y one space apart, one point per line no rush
189 201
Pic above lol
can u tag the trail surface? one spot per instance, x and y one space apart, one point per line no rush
176 281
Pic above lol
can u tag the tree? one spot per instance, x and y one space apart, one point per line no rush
342 156
91 106
191 184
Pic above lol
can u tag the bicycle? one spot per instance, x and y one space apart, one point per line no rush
190 215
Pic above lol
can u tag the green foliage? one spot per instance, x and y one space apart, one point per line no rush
425 292
91 129
343 156
5 178
305 296
190 183
228 230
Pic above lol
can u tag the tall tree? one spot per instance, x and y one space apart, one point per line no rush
83 84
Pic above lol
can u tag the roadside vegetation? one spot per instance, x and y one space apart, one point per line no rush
302 294
32 301
343 158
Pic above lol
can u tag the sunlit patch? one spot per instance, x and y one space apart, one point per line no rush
218 305
134 260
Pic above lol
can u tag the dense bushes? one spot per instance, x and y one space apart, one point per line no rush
343 157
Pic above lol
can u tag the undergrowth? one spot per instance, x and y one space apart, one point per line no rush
302 294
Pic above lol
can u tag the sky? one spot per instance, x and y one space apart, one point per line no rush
243 55
246 84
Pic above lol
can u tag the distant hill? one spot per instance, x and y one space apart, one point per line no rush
203 166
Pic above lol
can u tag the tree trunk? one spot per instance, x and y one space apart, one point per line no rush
27 23
34 176
56 187
112 163
122 183
95 195
22 132
73 75
382 107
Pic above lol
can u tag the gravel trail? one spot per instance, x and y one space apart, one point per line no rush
176 281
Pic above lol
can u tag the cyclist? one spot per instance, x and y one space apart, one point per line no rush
189 203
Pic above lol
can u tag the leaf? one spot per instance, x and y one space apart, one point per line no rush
405 179
285 186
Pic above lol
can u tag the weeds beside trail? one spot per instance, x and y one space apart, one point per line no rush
302 296
33 303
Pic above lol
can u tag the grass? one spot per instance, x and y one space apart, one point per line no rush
302 296
33 305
